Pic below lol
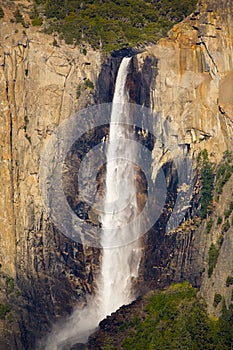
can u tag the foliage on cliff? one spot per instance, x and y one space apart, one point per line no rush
173 319
113 24
207 183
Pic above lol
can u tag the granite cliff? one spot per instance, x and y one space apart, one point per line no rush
41 85
186 78
192 88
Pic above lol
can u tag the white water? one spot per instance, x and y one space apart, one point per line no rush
119 264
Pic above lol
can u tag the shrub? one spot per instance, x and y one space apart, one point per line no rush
224 171
37 22
217 299
229 281
209 225
219 221
78 91
34 13
88 84
227 213
55 43
18 293
18 16
220 240
10 283
4 310
212 258
225 226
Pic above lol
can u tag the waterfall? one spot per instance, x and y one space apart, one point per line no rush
120 261
119 264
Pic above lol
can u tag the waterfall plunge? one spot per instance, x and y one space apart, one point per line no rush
119 263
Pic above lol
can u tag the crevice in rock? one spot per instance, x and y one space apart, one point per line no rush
214 71
11 167
222 112
63 92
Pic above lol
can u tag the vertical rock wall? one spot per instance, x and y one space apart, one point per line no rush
43 273
192 90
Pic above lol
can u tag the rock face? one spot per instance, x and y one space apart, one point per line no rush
192 89
42 272
187 80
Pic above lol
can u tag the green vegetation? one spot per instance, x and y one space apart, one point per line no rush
88 84
224 171
78 91
224 331
38 21
207 183
55 43
225 227
18 293
113 24
18 16
4 309
219 221
217 299
228 211
175 319
10 283
108 345
34 12
229 281
220 240
209 225
212 258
